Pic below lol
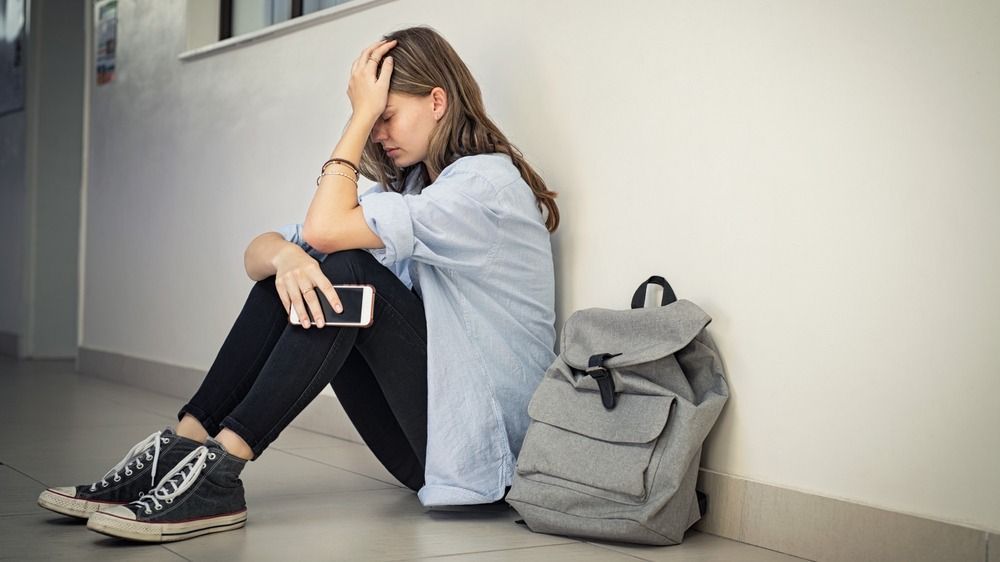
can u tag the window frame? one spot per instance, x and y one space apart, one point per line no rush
226 17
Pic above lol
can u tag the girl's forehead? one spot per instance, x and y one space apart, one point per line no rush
395 97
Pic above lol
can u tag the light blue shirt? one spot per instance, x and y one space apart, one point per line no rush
474 245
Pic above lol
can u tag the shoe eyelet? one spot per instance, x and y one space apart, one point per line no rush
148 512
139 465
169 500
164 440
93 488
128 472
159 507
204 465
211 456
104 484
118 478
149 457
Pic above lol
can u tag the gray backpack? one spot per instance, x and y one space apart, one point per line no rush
617 424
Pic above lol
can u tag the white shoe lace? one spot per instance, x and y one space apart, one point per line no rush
175 482
135 457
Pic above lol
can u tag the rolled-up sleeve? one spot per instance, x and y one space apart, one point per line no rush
293 234
451 223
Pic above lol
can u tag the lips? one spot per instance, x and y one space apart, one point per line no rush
389 151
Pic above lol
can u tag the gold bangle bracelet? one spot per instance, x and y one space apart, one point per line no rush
347 166
320 177
357 176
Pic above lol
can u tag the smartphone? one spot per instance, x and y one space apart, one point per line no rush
358 302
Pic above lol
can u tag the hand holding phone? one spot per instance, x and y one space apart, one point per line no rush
358 303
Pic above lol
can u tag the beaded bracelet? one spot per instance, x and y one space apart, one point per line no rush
320 177
355 179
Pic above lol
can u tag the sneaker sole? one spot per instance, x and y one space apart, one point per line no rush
122 528
67 505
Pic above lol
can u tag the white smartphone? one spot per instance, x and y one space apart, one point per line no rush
358 302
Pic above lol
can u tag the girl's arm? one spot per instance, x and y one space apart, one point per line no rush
335 221
260 255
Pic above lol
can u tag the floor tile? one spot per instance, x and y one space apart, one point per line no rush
277 473
72 455
18 493
577 552
47 400
146 400
700 547
349 456
48 536
371 525
297 438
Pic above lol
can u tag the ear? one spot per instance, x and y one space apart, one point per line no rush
439 101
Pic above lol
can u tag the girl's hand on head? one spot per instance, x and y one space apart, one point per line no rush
297 275
368 93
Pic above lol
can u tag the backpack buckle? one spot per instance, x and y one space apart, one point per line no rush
607 385
605 381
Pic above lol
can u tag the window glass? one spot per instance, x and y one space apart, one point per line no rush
309 6
251 15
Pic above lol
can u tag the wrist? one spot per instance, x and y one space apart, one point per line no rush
363 121
285 250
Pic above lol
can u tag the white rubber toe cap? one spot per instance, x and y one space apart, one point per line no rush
120 511
69 491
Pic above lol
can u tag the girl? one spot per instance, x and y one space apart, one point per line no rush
455 239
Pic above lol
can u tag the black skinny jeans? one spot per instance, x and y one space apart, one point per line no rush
268 370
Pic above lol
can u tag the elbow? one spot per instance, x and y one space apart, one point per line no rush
246 265
248 262
321 238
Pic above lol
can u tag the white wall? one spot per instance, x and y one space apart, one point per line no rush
820 178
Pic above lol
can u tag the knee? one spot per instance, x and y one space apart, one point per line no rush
347 266
264 290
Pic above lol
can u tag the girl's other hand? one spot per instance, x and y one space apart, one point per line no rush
370 94
297 275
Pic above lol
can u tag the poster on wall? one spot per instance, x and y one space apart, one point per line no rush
12 56
106 14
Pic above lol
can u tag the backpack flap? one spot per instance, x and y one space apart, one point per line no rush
557 403
575 440
634 336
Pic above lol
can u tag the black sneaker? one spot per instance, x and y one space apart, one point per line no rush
202 494
139 471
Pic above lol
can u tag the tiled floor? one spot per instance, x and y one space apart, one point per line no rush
310 497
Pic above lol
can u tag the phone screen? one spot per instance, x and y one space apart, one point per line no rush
350 298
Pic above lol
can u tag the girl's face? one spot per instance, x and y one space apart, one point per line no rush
404 128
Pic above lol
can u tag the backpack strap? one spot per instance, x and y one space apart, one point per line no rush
595 368
639 298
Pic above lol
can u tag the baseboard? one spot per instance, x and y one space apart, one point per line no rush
324 415
9 344
827 529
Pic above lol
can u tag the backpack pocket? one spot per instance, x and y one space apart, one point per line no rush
574 438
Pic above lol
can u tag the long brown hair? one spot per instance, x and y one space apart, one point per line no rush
423 60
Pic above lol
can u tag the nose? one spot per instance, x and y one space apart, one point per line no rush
378 132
